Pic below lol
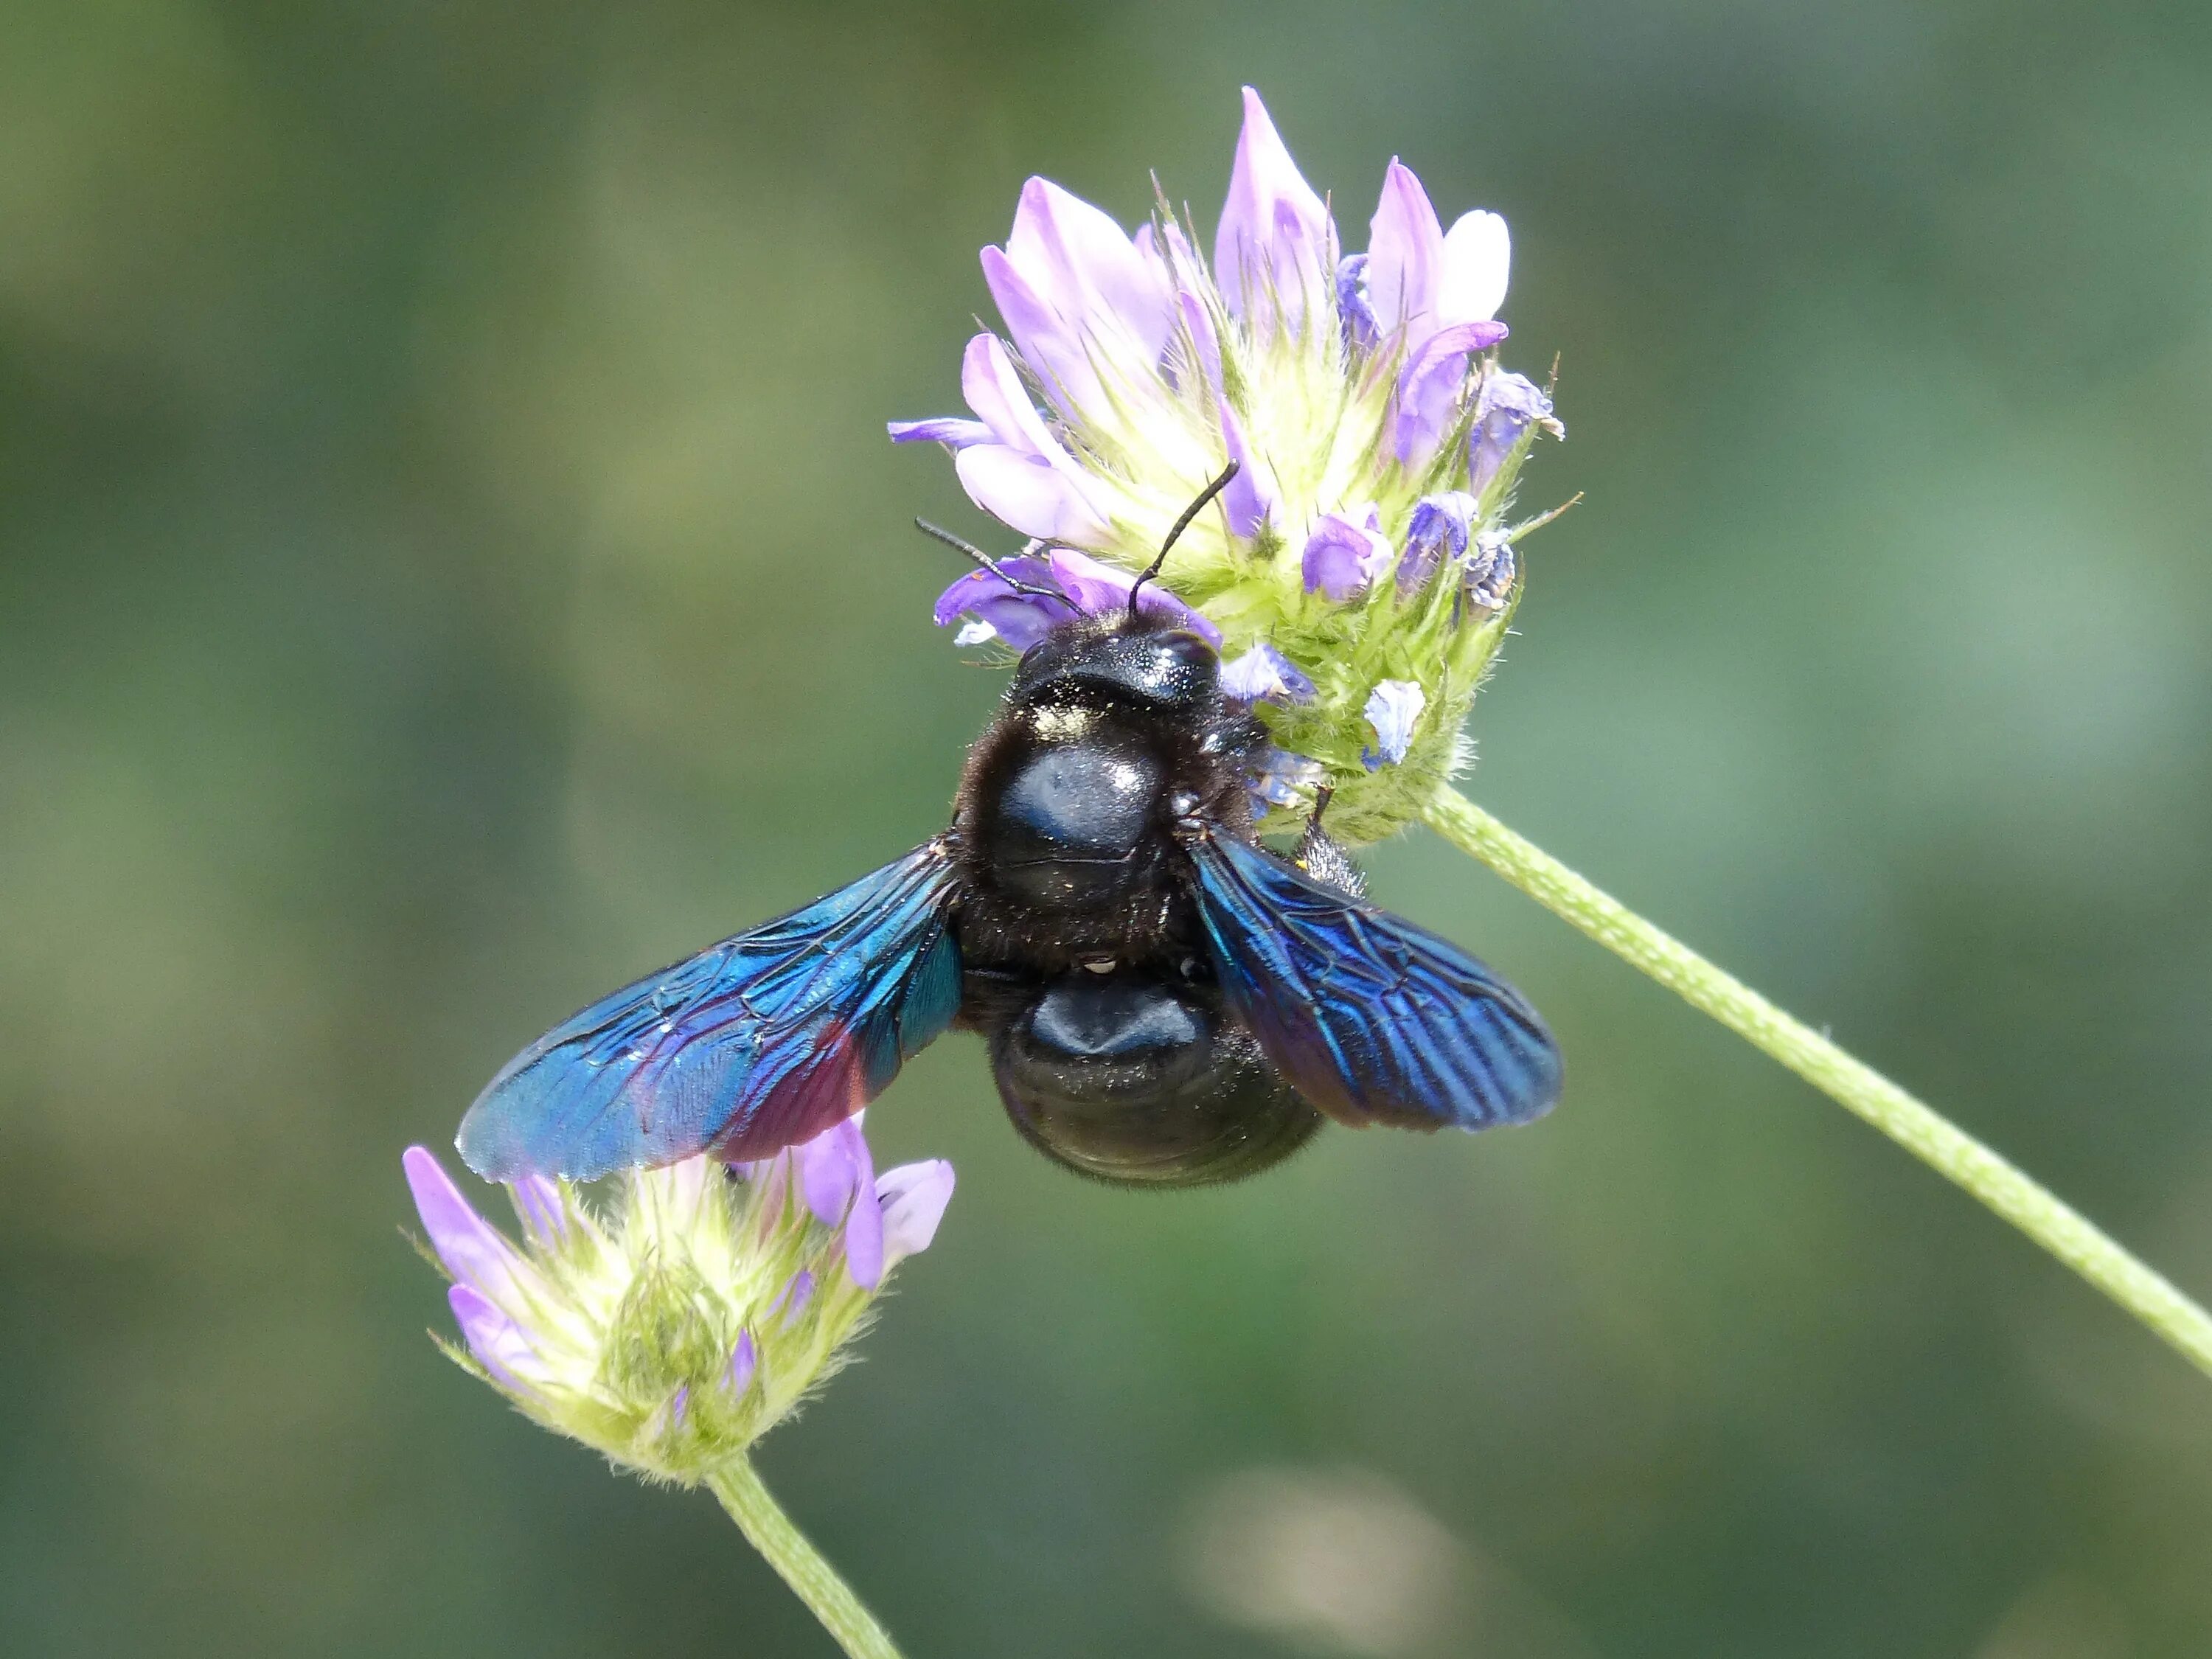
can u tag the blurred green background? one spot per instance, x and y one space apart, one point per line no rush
450 563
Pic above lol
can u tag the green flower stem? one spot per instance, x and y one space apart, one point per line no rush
1920 1130
812 1579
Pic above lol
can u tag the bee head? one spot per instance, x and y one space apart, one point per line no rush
1143 659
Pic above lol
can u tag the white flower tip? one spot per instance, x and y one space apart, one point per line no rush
913 1197
1477 260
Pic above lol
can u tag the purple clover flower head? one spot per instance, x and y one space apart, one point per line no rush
1338 380
1345 556
1439 531
1488 582
1506 407
1264 674
1394 709
670 1326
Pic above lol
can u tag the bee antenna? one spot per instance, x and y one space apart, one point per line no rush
1179 526
985 560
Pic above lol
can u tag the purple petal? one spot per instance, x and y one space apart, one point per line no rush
1489 573
1394 709
1264 673
1080 263
1275 231
864 1238
913 1197
1506 407
1343 559
1052 347
496 1340
1248 500
539 1202
1440 527
1405 259
745 1361
1478 255
1098 589
996 393
1028 494
1360 331
1198 324
1020 619
791 1301
472 1250
1429 385
838 1177
947 429
830 1168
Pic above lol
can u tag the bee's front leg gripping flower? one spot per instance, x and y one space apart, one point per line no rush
672 1325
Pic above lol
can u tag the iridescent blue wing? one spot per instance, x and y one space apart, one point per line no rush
1372 1019
758 1042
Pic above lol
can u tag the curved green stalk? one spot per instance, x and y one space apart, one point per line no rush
1924 1133
812 1579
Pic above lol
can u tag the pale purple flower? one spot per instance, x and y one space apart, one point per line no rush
913 1197
1422 281
1282 779
591 1324
495 1340
1394 709
1345 556
1248 499
1489 580
1264 674
1507 406
791 1301
745 1360
1353 389
472 1248
1430 384
1074 585
539 1202
1361 333
1439 531
1079 294
1016 468
1275 241
837 1179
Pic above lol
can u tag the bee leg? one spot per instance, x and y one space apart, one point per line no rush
1321 856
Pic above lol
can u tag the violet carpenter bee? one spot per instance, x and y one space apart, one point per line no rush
1166 1002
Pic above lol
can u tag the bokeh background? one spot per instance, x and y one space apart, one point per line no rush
450 563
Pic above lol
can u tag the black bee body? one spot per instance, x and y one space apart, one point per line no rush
1086 962
1166 1003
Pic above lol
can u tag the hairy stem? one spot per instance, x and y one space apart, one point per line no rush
812 1579
1924 1133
